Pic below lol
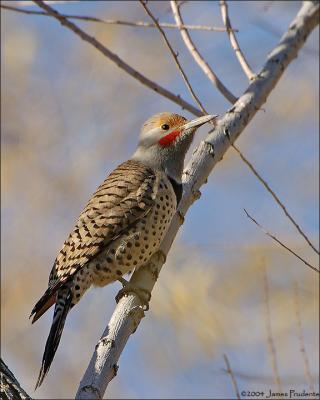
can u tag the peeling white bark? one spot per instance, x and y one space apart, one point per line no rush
129 312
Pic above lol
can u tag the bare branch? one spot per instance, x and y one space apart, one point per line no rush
270 340
10 388
278 241
301 340
197 56
138 24
234 43
175 56
26 3
233 379
207 155
117 60
276 198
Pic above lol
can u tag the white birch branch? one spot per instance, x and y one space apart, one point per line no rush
234 42
197 56
129 312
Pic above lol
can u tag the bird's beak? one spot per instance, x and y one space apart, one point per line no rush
195 123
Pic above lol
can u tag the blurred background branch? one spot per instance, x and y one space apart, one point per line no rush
302 346
269 333
233 379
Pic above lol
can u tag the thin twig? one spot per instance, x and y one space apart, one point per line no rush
139 24
233 379
174 55
234 43
301 339
278 241
270 340
276 198
117 60
197 56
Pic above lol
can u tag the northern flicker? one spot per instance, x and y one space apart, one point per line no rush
123 223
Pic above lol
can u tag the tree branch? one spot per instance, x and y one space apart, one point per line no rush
276 198
279 241
137 24
10 388
301 340
118 61
234 43
128 312
175 57
233 379
271 345
197 56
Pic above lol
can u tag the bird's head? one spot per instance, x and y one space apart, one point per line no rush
165 139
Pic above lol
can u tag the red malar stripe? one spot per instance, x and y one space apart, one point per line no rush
167 140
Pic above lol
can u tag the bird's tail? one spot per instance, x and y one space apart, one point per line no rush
46 301
61 310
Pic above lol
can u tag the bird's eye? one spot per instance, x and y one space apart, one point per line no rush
165 127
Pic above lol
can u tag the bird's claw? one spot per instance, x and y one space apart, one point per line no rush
143 294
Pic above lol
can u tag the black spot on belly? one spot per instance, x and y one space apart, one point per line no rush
119 272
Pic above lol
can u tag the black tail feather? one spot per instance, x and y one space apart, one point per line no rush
62 308
46 301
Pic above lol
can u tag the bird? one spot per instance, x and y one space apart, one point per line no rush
123 223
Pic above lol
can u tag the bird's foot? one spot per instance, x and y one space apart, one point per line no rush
143 294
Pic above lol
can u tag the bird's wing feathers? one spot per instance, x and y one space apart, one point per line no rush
125 196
